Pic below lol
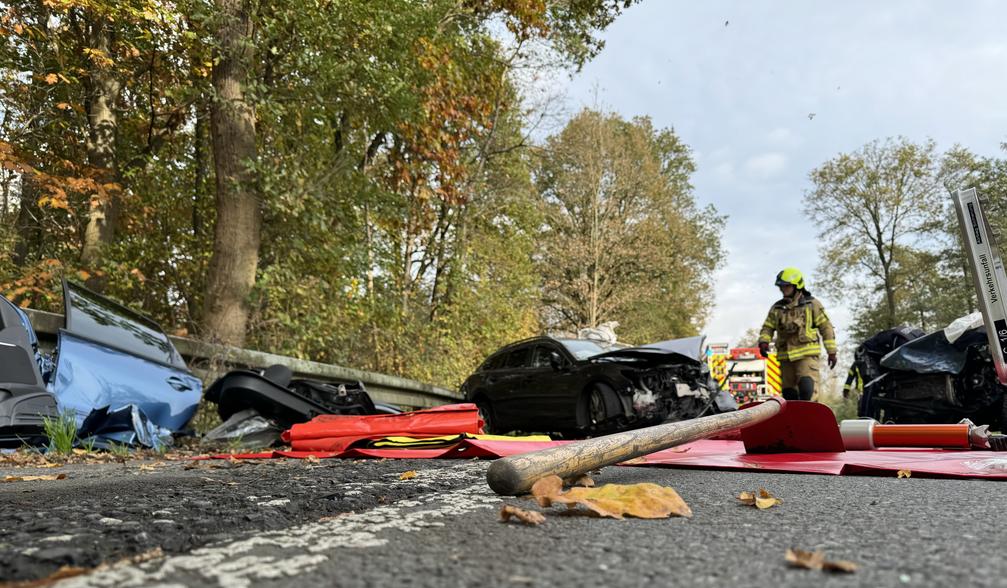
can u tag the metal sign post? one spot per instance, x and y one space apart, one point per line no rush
987 273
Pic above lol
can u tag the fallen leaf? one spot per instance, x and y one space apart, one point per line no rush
810 560
408 475
544 489
815 560
51 79
528 517
644 501
905 473
761 500
312 459
34 478
584 480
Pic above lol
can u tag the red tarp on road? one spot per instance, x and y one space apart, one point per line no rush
726 455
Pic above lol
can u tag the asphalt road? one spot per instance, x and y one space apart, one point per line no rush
356 523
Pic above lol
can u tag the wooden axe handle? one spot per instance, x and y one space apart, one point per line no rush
515 474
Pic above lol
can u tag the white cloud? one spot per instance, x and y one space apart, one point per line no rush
766 165
782 136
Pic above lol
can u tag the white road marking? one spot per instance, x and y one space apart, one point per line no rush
298 550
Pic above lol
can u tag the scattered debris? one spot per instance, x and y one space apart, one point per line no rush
761 499
528 517
408 475
815 560
644 501
34 478
584 480
905 473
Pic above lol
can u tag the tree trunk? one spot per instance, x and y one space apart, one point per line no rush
236 235
29 231
103 91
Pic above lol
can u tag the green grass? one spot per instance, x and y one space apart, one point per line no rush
62 432
120 450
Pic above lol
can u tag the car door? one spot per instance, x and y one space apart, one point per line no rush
550 397
508 393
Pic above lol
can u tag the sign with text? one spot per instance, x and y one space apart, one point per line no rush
987 272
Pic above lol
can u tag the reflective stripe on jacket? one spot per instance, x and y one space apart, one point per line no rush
797 325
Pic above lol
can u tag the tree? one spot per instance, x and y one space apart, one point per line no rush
623 238
872 208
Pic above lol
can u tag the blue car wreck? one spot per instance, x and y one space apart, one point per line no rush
113 369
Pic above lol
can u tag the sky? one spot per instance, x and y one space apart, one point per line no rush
764 92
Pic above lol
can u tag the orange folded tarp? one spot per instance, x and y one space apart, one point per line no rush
338 432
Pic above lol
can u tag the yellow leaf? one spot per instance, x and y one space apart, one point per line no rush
83 275
644 501
761 500
18 28
34 478
905 473
528 517
408 475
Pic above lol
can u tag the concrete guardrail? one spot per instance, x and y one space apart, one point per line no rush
210 361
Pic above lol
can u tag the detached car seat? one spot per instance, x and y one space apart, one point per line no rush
24 401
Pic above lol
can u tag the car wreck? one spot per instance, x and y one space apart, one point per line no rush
113 370
576 387
939 377
256 407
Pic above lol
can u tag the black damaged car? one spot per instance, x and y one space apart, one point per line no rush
577 387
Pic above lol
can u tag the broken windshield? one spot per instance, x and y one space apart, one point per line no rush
582 349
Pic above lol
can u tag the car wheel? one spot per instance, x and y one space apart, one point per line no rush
486 414
595 410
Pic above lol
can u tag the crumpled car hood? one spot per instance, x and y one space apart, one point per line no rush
942 351
685 350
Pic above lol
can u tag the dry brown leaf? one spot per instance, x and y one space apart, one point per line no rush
528 517
34 478
312 459
584 480
644 501
408 475
905 473
761 500
810 560
545 488
815 560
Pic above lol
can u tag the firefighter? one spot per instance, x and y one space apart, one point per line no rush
797 320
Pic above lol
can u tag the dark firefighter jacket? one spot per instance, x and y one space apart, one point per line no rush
797 324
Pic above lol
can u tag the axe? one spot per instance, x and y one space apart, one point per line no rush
774 426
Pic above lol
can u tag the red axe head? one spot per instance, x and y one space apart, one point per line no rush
800 427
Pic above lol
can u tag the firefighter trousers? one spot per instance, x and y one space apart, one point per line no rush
799 378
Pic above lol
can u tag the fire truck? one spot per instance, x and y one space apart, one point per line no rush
744 372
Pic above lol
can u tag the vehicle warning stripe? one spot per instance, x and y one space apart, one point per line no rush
773 377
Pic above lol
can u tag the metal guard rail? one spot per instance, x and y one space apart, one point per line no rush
209 361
